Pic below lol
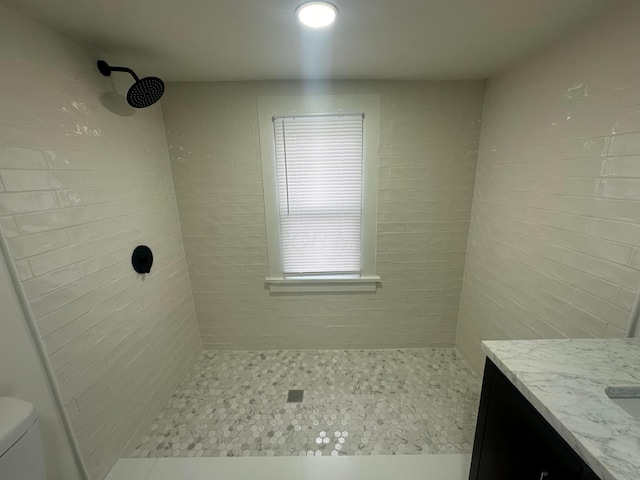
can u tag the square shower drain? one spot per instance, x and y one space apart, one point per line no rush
295 396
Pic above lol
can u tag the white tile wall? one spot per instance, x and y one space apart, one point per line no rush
555 230
427 166
80 187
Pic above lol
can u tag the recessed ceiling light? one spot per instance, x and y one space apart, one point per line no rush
316 14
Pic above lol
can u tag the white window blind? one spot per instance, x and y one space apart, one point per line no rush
319 169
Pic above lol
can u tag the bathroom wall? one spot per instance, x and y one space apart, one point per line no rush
22 376
428 144
81 186
554 243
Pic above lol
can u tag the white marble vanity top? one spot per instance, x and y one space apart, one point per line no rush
565 380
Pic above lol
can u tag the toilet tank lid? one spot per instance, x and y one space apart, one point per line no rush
16 417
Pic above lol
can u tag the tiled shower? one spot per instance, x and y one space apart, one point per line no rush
506 209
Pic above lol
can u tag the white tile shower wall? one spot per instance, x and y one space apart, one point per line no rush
428 147
80 187
554 240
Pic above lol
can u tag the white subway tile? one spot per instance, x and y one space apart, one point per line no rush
627 144
557 167
15 157
627 233
24 202
25 180
79 188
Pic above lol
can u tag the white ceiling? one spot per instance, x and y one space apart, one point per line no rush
260 39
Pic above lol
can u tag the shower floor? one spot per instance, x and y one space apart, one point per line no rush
356 402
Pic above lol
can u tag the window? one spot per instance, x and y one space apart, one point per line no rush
319 160
319 165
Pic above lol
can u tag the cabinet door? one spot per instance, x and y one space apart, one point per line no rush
588 474
516 442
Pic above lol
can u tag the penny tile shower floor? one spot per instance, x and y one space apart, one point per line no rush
356 402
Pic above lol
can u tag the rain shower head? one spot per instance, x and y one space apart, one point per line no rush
143 93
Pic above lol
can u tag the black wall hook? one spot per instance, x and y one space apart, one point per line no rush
142 259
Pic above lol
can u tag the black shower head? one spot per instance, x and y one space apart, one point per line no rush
143 93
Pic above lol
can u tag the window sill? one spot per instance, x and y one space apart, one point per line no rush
322 284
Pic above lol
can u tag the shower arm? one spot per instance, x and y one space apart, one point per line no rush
106 70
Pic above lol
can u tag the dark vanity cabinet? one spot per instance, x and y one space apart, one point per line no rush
514 442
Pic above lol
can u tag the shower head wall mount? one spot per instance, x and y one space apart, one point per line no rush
143 93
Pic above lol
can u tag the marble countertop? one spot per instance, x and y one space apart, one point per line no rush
565 380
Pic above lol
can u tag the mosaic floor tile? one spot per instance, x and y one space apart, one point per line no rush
356 402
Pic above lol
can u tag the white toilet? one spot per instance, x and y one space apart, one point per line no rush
20 444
